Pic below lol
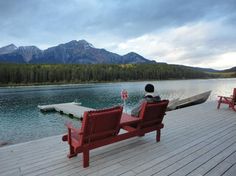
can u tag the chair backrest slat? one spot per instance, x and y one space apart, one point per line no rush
234 95
100 124
152 113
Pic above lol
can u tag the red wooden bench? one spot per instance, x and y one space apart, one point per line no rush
231 101
101 127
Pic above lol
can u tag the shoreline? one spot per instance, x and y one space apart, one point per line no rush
95 82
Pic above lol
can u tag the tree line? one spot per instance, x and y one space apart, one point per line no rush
78 73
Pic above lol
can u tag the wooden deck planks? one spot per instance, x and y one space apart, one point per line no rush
197 160
214 162
195 140
220 169
145 156
231 171
163 161
180 153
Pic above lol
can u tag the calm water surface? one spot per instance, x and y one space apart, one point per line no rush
20 119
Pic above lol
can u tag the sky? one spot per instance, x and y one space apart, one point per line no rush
199 33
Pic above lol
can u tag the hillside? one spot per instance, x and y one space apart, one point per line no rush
233 69
28 74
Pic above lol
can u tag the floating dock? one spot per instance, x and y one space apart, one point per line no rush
72 109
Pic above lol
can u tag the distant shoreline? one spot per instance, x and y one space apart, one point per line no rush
92 82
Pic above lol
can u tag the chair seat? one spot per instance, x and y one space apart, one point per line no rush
127 119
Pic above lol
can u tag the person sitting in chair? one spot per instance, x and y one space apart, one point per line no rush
149 97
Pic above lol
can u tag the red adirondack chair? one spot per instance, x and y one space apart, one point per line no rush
101 128
151 116
231 101
97 126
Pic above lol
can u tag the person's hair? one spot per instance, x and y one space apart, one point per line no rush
149 88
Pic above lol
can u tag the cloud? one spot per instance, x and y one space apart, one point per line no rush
222 61
197 44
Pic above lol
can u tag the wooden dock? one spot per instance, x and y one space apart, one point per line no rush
198 140
71 109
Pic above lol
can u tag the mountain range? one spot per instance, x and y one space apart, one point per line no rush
73 52
76 52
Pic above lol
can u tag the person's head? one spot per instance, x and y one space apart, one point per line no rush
149 88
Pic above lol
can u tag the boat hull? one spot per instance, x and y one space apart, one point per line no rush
194 100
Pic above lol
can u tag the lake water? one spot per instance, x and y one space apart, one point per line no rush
21 120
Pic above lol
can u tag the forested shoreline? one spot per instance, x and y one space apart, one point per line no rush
29 74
